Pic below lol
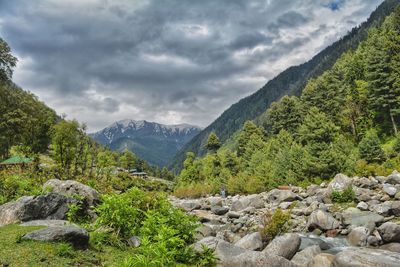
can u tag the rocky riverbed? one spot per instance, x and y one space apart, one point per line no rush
322 233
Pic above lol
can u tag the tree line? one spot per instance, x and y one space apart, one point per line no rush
345 120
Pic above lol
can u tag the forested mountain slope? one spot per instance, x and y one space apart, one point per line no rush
345 121
289 82
153 142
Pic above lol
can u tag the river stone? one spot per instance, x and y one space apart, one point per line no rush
49 206
339 183
358 236
72 188
205 216
233 215
134 241
389 189
322 220
307 241
189 205
322 260
242 203
304 257
394 247
218 210
362 257
210 242
78 237
47 223
355 217
278 196
285 246
394 178
257 259
362 206
251 241
390 232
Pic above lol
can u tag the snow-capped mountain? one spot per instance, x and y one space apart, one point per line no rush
151 141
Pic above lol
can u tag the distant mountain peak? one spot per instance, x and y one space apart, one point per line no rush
155 142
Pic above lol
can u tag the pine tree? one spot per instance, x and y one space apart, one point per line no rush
213 143
369 148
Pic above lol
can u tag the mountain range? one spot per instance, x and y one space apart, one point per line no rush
289 82
156 143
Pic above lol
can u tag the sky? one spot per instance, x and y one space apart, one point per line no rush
169 61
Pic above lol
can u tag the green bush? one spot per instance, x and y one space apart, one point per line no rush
165 232
345 196
276 223
14 186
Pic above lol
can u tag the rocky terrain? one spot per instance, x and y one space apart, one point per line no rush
322 233
365 232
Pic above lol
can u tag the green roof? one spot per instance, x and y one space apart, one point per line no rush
16 160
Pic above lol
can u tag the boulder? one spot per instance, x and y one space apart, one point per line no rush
242 203
205 216
339 183
233 215
72 188
358 236
218 210
390 232
352 257
277 196
307 241
47 223
209 242
204 231
322 220
362 206
49 206
189 205
304 257
284 246
257 259
389 189
394 178
355 217
394 247
322 260
78 237
251 241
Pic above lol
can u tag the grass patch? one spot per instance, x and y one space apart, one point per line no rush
18 253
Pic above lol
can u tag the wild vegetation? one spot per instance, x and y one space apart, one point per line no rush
290 82
346 120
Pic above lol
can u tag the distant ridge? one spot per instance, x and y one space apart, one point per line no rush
154 142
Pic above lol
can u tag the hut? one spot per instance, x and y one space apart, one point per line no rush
16 161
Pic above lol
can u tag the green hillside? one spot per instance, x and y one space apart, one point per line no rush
289 82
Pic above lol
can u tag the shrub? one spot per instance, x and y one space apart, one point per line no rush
195 190
124 213
347 195
276 223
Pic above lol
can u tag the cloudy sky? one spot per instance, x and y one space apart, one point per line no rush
170 61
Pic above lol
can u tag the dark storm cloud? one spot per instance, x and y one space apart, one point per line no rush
170 61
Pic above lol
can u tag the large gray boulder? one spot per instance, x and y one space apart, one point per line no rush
358 236
394 247
362 257
356 217
242 203
304 257
339 183
284 246
394 178
390 232
251 241
210 242
229 255
50 206
78 237
322 260
322 220
47 223
277 196
389 189
72 188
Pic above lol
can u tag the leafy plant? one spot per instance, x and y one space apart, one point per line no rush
347 195
276 223
65 250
